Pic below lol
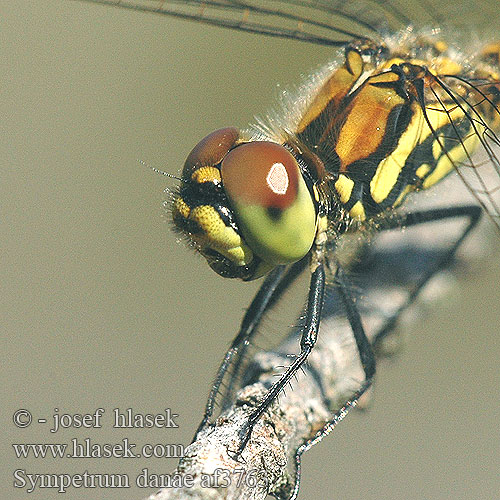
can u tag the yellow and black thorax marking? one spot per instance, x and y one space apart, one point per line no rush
388 123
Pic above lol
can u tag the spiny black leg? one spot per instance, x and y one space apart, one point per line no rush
248 327
251 325
307 341
363 344
471 212
367 359
270 291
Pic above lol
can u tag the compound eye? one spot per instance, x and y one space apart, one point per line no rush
210 150
270 200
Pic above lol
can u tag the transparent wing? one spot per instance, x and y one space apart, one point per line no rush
323 22
473 138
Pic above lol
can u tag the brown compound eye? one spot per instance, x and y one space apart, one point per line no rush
261 173
211 150
270 200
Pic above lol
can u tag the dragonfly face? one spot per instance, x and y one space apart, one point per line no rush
245 205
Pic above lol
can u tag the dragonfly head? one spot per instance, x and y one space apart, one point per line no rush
244 205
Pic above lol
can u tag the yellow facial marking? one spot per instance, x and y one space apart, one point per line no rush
181 208
206 174
219 237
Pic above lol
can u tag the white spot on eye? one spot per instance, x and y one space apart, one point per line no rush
277 178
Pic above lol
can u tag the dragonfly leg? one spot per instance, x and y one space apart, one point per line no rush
470 212
368 363
269 292
248 327
307 342
292 273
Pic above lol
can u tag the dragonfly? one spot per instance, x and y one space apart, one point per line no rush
396 114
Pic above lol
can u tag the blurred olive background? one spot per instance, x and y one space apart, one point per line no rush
103 307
